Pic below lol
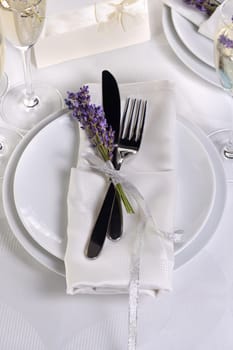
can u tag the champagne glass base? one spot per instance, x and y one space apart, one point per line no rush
220 139
15 113
8 141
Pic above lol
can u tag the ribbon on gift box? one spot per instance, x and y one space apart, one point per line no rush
120 12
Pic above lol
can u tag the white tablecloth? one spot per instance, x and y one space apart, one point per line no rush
35 312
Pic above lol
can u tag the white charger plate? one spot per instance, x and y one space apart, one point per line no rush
199 45
197 66
200 199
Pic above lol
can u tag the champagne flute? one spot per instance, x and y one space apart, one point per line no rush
9 138
3 76
223 49
26 104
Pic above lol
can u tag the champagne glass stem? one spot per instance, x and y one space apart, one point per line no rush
2 148
30 99
228 148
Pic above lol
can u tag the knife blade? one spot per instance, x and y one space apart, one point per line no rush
112 110
111 104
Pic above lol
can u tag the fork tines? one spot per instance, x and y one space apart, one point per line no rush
134 119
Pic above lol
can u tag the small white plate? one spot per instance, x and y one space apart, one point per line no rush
201 189
184 54
199 45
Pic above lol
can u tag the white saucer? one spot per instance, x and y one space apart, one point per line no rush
201 190
184 54
199 45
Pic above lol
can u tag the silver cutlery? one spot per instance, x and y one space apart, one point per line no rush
130 139
132 128
112 110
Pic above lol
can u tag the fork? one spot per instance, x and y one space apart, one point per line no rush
128 144
131 133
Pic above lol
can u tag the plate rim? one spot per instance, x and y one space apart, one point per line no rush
201 140
43 240
57 265
210 227
198 67
19 231
175 17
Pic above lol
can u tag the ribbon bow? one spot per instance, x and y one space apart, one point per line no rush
117 11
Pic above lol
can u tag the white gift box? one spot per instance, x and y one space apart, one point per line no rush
95 28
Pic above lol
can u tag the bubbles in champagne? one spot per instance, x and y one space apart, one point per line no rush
22 20
224 57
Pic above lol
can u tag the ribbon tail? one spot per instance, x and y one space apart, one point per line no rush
134 288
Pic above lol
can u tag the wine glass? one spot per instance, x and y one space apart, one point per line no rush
223 49
9 138
24 105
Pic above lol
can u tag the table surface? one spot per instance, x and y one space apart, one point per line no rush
35 312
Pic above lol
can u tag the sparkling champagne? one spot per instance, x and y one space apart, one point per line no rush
224 57
22 20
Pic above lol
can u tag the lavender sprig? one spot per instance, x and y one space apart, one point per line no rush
101 135
205 6
92 120
225 41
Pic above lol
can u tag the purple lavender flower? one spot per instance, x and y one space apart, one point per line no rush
92 120
225 41
205 6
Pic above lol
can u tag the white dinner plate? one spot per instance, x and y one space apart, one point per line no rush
200 68
197 43
42 177
200 199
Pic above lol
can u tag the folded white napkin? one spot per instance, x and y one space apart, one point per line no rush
189 12
152 172
209 27
96 27
206 25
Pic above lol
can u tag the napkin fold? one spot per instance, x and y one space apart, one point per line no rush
91 29
205 25
209 27
152 171
187 11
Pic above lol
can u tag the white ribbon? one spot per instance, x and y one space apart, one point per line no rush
144 217
117 176
119 11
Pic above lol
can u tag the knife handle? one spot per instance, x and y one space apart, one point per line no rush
115 226
99 232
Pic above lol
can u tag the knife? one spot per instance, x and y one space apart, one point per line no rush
110 208
112 110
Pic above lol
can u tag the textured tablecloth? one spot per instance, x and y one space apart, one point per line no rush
35 312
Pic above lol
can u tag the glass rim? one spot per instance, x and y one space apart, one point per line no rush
226 20
7 7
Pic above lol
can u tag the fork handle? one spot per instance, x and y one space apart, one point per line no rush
99 232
